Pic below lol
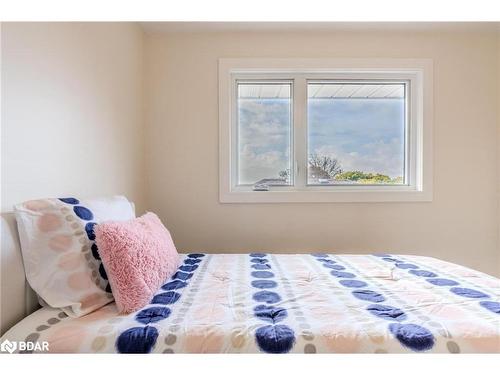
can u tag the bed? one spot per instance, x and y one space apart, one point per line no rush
307 303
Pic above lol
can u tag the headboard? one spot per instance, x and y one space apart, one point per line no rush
17 299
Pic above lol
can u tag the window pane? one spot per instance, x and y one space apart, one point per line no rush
264 132
356 133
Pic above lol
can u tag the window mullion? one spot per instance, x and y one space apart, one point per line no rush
300 131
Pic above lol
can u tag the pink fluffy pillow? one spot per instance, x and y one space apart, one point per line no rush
138 255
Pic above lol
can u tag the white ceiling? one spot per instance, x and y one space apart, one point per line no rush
179 27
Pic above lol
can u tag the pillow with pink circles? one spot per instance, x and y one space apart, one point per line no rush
139 256
60 255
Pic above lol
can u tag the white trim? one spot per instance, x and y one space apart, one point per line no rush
418 72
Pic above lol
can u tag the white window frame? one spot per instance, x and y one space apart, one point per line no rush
419 117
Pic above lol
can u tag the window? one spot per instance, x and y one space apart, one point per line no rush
264 133
325 130
356 132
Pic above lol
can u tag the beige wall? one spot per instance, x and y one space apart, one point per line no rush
498 140
459 225
72 123
71 111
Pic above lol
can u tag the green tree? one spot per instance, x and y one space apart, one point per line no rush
365 178
351 175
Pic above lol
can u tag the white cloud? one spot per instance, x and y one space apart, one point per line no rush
255 166
375 157
264 125
263 140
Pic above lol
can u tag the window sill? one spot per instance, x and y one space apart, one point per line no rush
374 194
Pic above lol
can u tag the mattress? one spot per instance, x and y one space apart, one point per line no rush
268 303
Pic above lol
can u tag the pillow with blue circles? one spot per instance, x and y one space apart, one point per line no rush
61 258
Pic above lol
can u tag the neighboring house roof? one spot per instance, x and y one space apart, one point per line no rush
272 181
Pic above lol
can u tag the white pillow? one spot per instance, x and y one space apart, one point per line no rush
60 257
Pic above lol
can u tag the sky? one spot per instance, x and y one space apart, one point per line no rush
363 134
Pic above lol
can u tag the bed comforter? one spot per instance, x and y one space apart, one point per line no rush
268 303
